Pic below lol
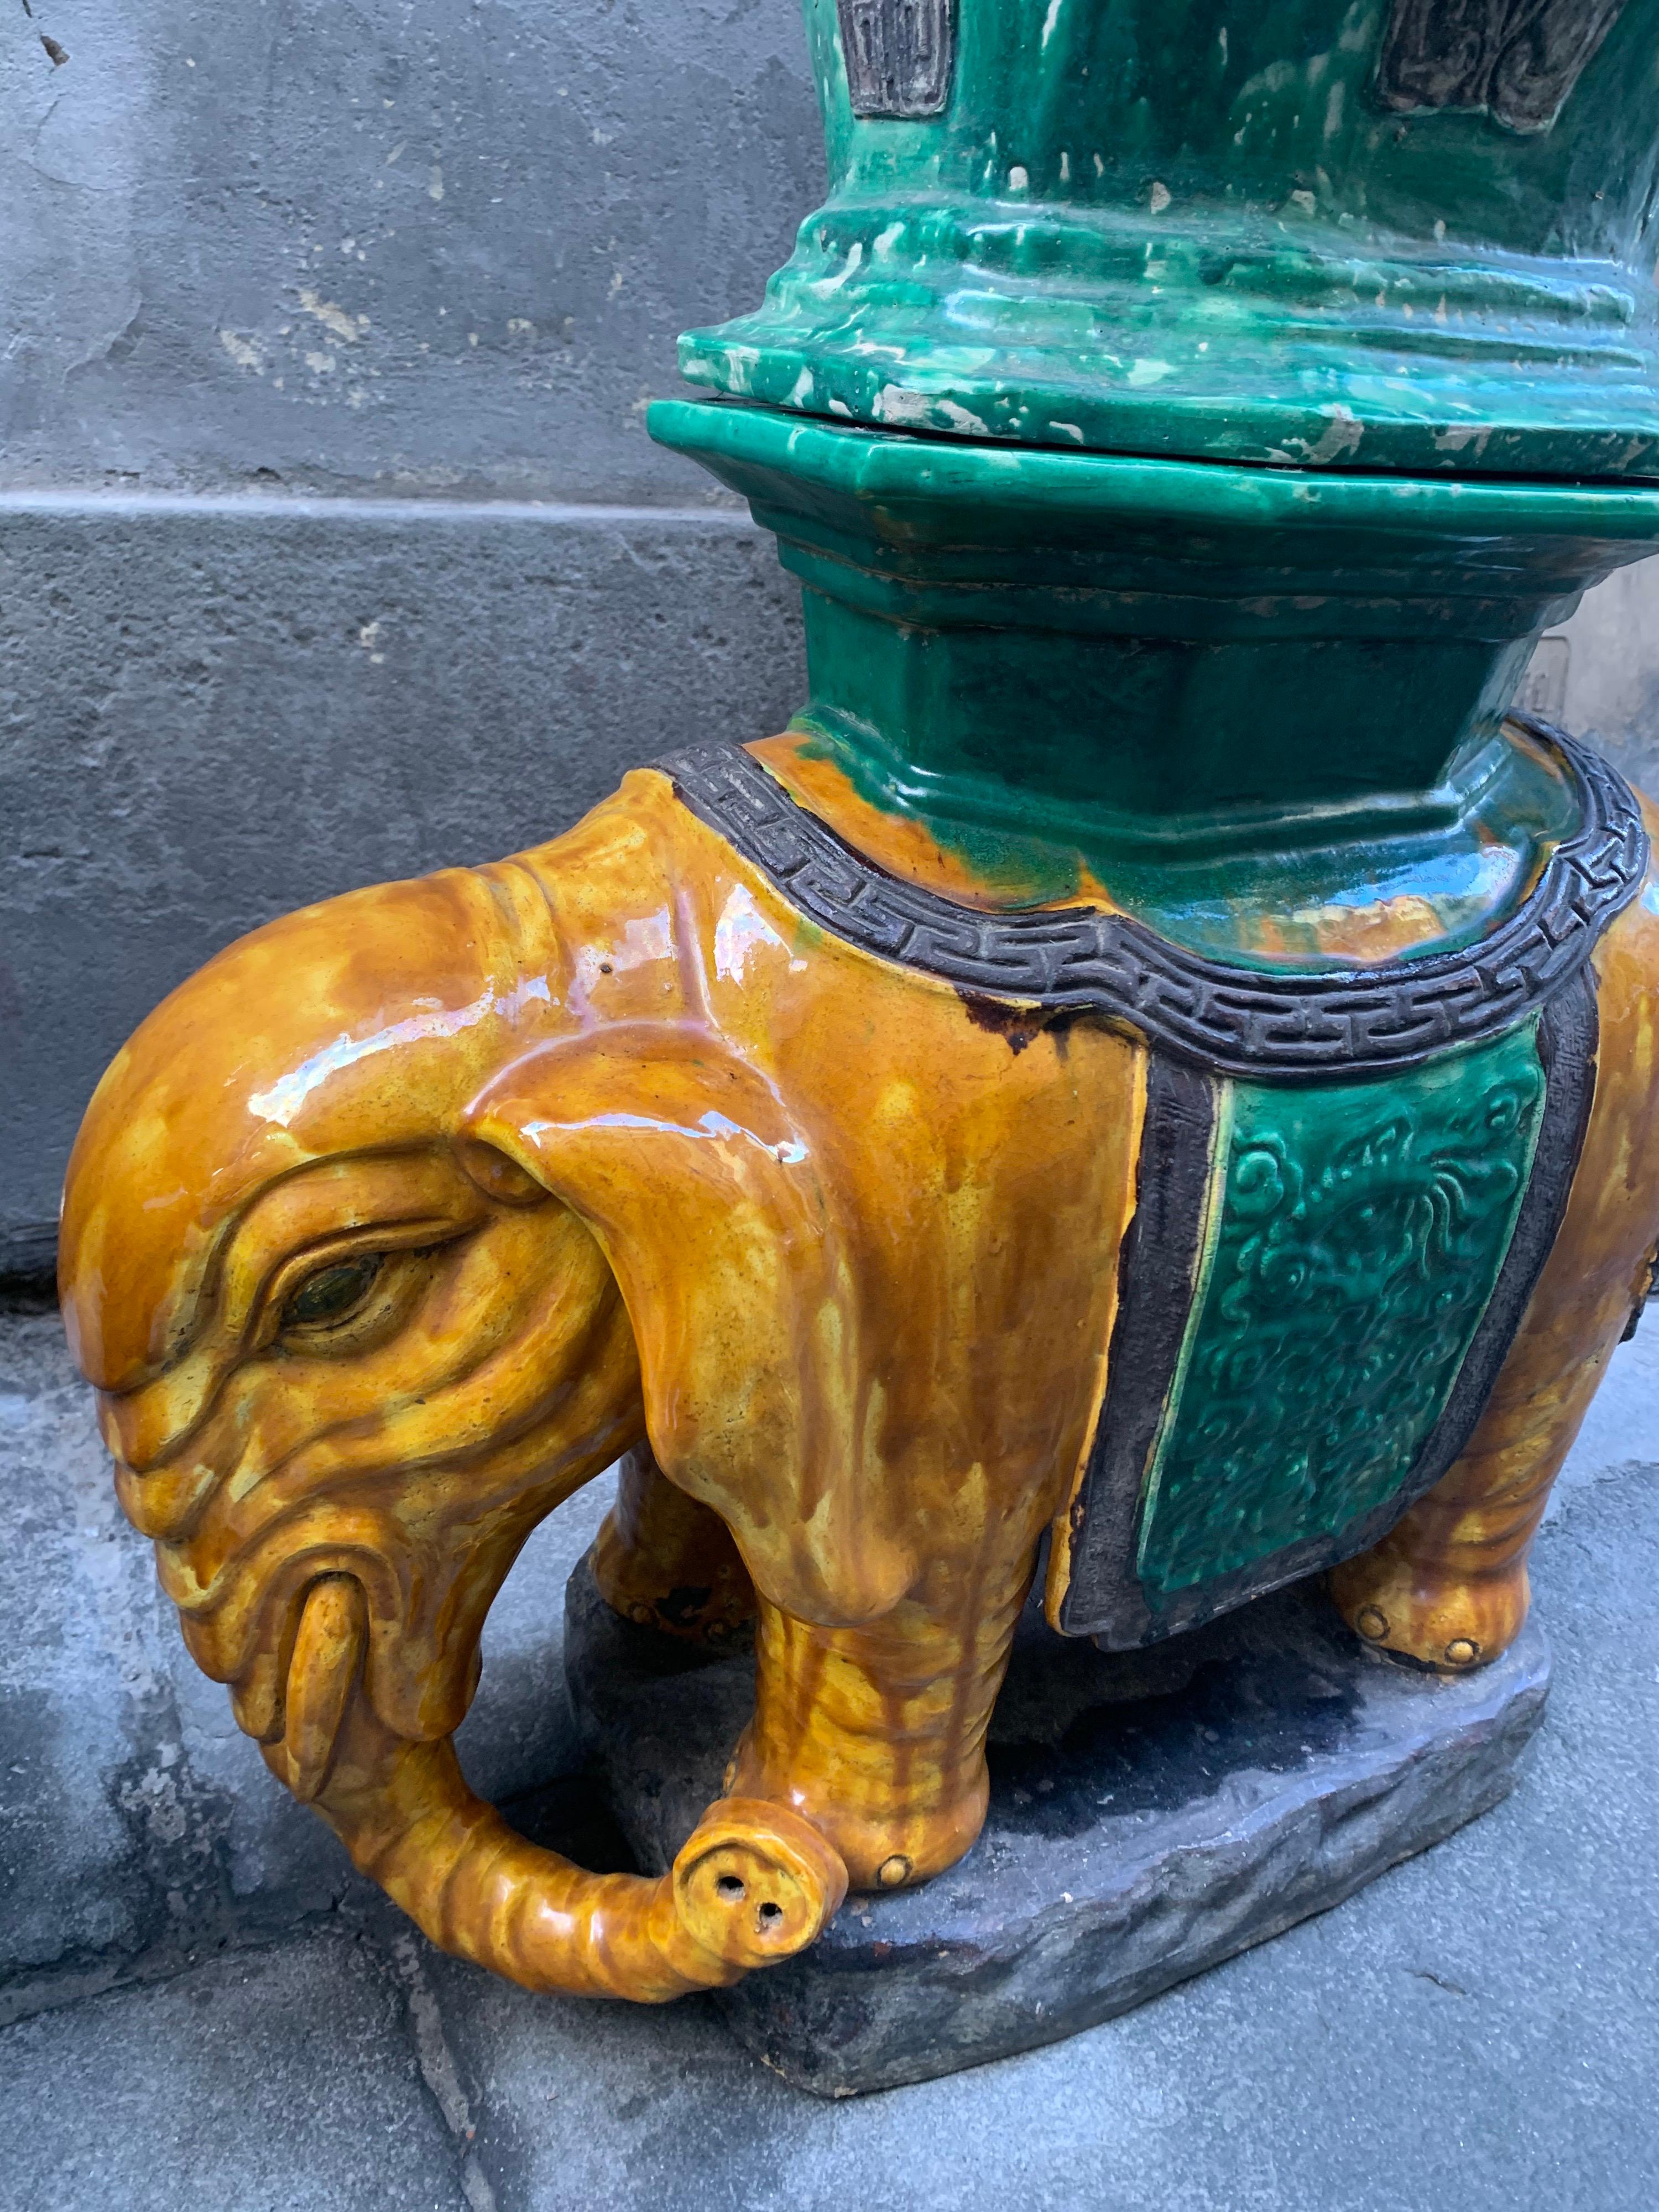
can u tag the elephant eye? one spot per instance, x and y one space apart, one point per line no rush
332 1293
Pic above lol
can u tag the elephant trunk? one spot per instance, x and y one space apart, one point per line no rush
754 1884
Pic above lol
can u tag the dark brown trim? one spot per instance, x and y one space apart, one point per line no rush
1157 1272
899 55
1519 64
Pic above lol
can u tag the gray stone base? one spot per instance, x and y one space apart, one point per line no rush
1150 1815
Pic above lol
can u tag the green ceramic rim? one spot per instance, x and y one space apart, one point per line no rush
868 465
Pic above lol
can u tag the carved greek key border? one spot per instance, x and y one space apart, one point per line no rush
1233 1021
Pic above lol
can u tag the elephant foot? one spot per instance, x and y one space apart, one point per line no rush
664 1561
876 1733
886 1845
1453 1623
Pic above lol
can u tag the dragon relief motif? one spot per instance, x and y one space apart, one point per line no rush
1517 59
900 56
1347 1271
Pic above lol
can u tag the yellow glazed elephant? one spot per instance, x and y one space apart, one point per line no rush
691 1136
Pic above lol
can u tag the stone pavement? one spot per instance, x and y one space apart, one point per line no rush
207 2006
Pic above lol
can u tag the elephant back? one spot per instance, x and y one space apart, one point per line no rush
1347 1192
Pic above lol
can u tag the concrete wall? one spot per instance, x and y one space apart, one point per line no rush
1600 672
410 245
332 544
214 708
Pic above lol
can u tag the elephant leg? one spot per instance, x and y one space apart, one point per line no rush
1448 1585
876 1733
668 1562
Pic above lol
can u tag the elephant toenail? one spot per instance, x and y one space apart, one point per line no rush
1371 1622
891 1872
1462 1651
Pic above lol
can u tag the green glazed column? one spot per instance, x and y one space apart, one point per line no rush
1183 417
1227 693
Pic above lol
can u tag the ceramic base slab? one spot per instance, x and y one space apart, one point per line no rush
1151 1814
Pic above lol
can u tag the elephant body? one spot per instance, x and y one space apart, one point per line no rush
890 1233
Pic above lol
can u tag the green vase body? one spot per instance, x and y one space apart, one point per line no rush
1377 234
1373 283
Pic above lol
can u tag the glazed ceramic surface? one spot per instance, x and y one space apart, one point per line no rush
407 1214
1156 1058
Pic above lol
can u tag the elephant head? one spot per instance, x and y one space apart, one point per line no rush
342 1243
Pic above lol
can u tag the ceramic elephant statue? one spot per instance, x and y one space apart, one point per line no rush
889 1235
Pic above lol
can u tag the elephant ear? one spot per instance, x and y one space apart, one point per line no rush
741 1283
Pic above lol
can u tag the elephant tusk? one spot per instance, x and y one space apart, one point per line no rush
328 1655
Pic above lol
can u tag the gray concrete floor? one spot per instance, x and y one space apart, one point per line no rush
1477 2030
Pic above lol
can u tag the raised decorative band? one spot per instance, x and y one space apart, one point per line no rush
1230 1020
